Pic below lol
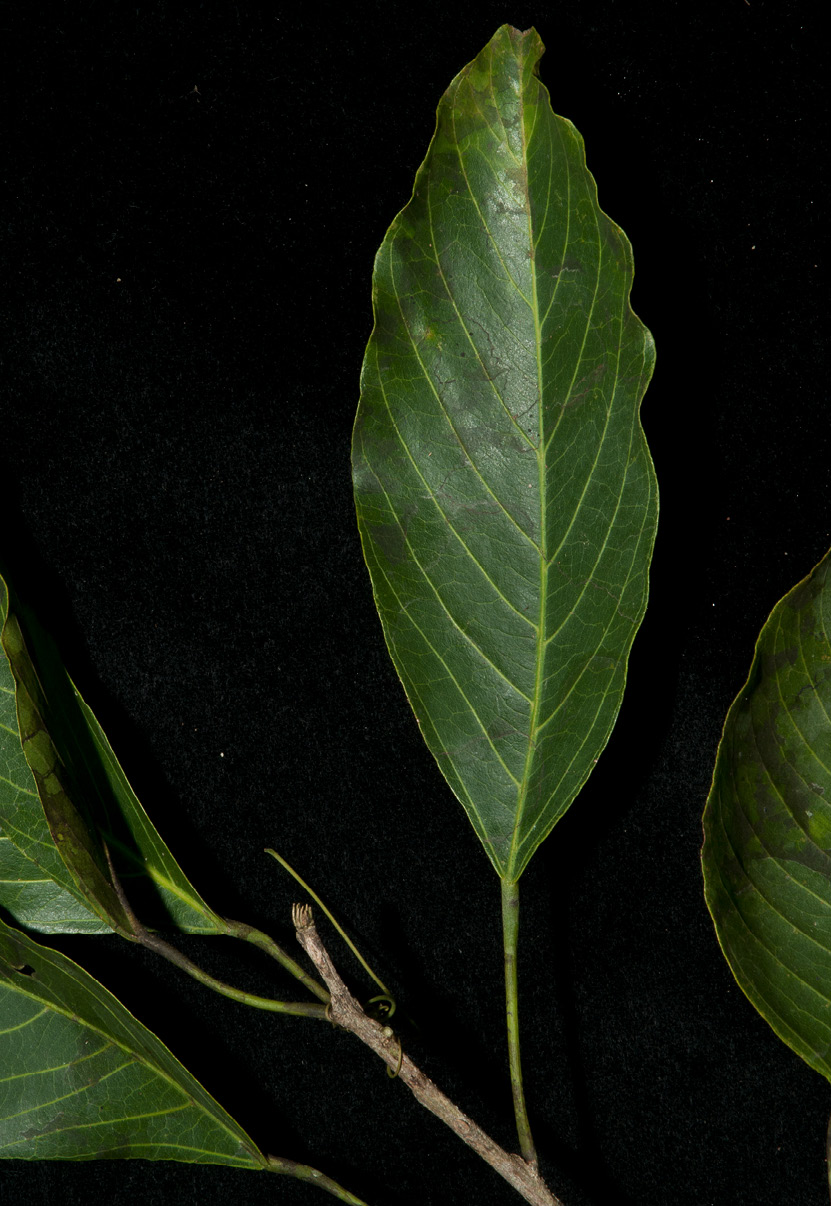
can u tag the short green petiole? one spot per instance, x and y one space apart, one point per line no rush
304 1173
510 931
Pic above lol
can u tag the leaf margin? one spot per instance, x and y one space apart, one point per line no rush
713 868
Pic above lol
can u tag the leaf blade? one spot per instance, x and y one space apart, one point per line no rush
37 902
24 826
96 1057
96 801
766 858
487 537
74 834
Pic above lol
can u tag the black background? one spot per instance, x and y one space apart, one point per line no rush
195 194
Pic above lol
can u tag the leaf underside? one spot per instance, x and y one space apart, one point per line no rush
767 825
505 494
62 786
82 1079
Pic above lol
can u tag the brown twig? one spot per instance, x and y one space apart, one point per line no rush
345 1011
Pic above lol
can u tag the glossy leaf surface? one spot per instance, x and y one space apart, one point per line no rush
81 1078
62 791
767 825
505 494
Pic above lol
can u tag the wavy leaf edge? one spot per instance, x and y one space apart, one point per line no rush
515 852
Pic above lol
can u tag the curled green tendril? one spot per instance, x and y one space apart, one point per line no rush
384 1005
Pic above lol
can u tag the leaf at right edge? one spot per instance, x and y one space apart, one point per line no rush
505 494
82 1079
40 892
767 825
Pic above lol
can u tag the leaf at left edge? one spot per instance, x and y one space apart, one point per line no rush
82 1079
73 894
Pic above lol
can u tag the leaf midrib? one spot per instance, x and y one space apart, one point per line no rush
536 725
540 451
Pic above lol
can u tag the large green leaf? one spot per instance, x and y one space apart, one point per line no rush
81 1078
506 498
767 825
61 791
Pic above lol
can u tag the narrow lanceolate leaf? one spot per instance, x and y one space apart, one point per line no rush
506 498
767 825
81 1078
70 825
36 887
63 796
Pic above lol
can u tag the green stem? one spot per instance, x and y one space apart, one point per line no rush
238 929
233 929
304 1173
300 1008
138 933
510 931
